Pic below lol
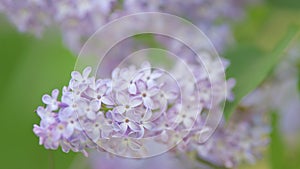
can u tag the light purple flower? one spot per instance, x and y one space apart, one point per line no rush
51 101
89 108
147 93
149 75
126 124
127 103
126 78
99 128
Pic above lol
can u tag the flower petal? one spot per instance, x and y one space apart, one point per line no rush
95 105
76 76
107 100
47 99
122 98
136 101
68 131
120 109
132 88
148 102
55 93
91 115
133 126
123 128
86 72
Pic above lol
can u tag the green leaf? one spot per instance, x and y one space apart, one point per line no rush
292 4
276 145
250 66
281 154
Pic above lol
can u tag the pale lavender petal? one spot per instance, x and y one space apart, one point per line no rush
47 99
55 93
156 74
149 125
115 73
91 115
86 72
67 100
136 101
95 135
95 105
188 122
107 100
146 65
164 136
141 86
118 117
132 88
105 133
133 116
147 115
141 132
102 90
41 111
153 91
120 109
76 76
56 135
65 114
68 131
123 127
148 102
90 92
171 95
133 126
122 98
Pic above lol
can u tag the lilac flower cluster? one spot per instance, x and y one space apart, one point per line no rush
240 141
132 104
141 103
79 19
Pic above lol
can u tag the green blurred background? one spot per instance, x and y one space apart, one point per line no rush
31 67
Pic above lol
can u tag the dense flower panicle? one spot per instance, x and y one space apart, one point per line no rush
241 141
103 113
91 110
133 104
79 19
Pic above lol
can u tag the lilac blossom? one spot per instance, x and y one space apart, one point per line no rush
84 117
121 124
127 103
79 19
51 101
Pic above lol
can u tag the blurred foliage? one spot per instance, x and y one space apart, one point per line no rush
291 4
276 147
29 68
250 66
282 155
261 40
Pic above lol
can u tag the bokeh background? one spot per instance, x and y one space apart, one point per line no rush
31 67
